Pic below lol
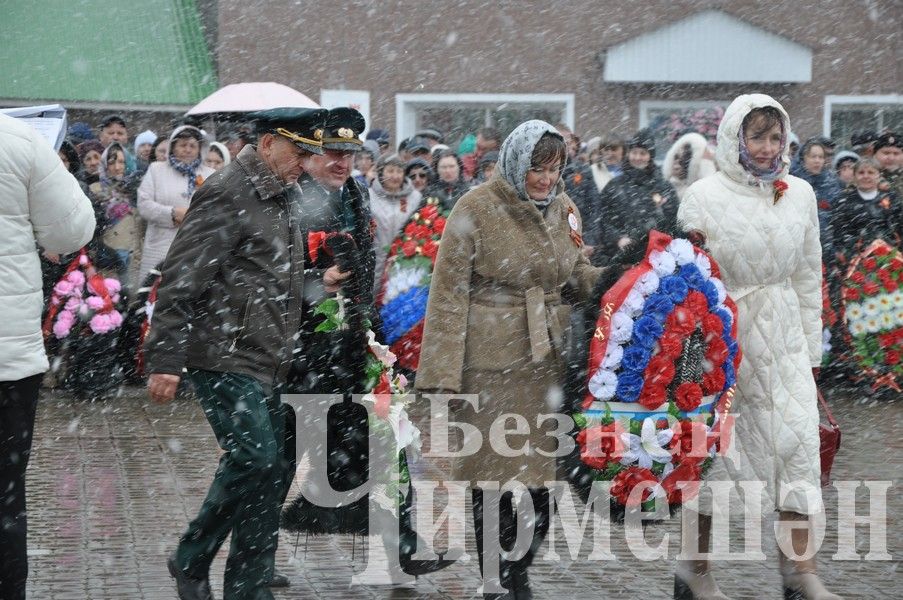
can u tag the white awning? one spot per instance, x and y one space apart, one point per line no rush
709 47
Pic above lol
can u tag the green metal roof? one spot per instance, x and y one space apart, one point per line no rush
104 51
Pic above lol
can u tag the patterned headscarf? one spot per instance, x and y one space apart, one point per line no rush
773 171
516 157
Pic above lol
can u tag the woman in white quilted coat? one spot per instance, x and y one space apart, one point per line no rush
761 226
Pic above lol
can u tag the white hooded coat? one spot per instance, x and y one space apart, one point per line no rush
41 204
770 260
701 165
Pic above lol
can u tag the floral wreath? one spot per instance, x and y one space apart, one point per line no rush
82 295
662 367
872 302
406 285
386 391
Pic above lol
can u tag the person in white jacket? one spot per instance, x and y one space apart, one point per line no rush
392 202
41 205
761 226
165 191
688 161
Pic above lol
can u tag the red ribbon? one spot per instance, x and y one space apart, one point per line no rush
315 241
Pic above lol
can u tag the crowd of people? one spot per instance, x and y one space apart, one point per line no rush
218 222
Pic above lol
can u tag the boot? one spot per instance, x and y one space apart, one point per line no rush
800 580
693 578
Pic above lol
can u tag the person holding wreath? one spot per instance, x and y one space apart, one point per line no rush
761 226
496 323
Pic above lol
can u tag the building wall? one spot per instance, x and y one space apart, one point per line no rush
391 47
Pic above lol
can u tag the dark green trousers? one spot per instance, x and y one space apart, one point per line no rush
244 497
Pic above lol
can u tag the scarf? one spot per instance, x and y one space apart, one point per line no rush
516 156
762 175
187 169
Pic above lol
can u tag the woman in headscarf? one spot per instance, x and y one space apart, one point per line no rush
688 161
393 200
166 190
113 198
217 156
496 324
761 226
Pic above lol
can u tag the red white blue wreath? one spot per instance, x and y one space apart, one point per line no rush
662 366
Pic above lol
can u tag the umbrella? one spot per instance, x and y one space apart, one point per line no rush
250 96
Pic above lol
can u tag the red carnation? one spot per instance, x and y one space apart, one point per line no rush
870 263
688 396
891 358
660 371
409 229
683 482
697 303
716 352
626 480
409 248
858 277
653 396
681 322
600 445
881 251
896 264
683 446
671 345
429 212
870 288
439 225
891 286
430 249
851 294
713 381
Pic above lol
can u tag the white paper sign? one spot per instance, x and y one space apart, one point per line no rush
49 120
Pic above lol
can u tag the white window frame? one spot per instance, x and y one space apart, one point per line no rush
647 105
406 105
831 101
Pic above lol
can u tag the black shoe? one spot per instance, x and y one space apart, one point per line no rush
520 585
279 580
681 590
419 567
189 588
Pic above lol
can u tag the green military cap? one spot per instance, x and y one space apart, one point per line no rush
343 129
302 126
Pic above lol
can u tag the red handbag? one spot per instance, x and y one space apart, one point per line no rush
829 436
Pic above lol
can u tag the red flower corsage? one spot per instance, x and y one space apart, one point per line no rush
780 186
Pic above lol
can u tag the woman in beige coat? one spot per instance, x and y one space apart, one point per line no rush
496 324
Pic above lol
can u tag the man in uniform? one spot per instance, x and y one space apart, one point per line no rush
228 311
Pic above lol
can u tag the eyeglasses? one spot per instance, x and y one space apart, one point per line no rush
417 175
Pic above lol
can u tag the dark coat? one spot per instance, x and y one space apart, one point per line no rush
581 189
323 356
447 193
234 273
828 191
628 201
858 222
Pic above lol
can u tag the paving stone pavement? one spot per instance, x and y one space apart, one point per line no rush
112 484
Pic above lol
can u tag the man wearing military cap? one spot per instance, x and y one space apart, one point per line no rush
228 310
889 154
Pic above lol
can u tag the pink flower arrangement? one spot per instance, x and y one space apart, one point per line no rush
82 296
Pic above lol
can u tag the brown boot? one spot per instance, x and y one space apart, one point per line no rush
693 578
800 580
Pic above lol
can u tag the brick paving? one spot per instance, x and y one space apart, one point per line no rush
112 484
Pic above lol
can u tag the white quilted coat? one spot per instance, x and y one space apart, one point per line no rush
770 261
40 204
